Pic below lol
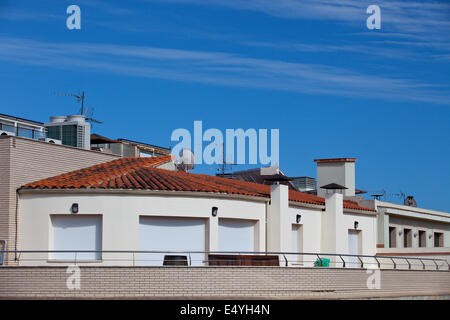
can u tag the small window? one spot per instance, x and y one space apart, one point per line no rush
24 132
422 238
392 237
8 128
438 239
407 238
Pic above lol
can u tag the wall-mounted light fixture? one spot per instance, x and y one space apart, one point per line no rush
74 208
298 218
356 224
400 233
430 236
214 211
415 234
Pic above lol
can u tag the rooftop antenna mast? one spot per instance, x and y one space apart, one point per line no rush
223 166
400 195
80 98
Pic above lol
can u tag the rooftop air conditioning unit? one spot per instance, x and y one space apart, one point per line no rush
50 140
6 133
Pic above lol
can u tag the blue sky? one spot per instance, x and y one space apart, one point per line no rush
310 68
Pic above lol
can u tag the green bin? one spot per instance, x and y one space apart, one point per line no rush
323 262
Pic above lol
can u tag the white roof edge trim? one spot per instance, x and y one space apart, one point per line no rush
143 192
388 205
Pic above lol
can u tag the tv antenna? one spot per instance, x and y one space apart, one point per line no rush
400 195
83 111
223 166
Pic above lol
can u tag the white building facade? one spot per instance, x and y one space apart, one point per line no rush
237 217
143 210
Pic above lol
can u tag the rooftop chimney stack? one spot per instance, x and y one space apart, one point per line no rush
339 171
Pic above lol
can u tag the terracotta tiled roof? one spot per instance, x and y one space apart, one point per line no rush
90 177
348 204
143 174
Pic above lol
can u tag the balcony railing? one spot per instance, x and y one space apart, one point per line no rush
221 258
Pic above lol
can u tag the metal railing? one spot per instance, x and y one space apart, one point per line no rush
202 258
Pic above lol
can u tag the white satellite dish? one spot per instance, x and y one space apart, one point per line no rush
186 160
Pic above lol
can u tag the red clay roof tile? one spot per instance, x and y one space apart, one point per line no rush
142 173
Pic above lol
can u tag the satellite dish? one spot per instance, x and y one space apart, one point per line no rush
186 160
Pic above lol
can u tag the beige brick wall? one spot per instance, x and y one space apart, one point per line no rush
5 196
238 282
23 161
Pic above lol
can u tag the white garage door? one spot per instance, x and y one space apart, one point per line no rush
236 235
171 234
77 232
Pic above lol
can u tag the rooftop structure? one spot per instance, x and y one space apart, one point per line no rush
15 126
126 148
337 170
72 131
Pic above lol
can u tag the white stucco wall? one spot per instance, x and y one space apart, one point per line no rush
310 234
430 227
120 222
320 231
336 223
282 216
367 228
402 216
310 222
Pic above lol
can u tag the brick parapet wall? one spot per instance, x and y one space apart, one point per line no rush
233 282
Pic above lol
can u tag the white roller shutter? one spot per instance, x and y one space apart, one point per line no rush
171 234
236 235
353 248
297 245
77 232
294 238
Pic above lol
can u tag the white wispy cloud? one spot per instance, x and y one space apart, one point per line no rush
429 21
108 7
407 24
216 68
25 15
51 13
366 50
407 15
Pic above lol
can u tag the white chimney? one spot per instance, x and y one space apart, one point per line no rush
334 229
340 171
278 219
